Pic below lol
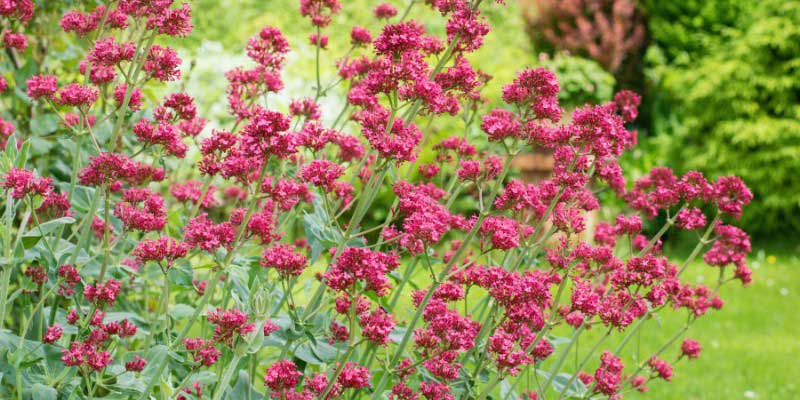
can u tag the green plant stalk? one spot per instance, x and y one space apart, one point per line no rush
704 240
85 227
212 283
226 377
106 235
319 83
165 310
580 366
352 343
661 232
7 268
73 180
133 73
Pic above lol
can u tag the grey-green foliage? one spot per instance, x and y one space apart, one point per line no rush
735 109
581 80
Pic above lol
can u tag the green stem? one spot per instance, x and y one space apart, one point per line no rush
106 235
581 365
226 377
700 244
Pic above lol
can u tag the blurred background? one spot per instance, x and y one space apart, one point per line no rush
720 82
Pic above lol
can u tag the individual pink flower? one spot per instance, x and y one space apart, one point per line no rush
661 367
690 348
173 21
627 103
502 232
76 95
360 36
384 11
52 334
15 40
37 274
42 86
305 107
268 48
354 376
360 264
282 376
270 327
162 64
137 364
321 173
500 124
396 39
609 375
730 195
108 52
191 191
377 326
320 11
731 246
19 9
318 40
142 210
161 249
229 325
161 133
287 193
103 293
201 232
690 218
23 182
639 382
70 278
110 168
284 259
202 350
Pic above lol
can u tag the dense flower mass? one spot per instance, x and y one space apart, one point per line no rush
365 252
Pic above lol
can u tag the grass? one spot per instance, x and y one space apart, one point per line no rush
750 346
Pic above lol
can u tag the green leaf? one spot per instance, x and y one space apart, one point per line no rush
181 311
42 392
506 391
22 155
243 390
155 356
305 353
398 333
31 237
321 233
181 273
325 352
44 124
559 383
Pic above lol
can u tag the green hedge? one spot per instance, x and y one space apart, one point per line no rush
728 93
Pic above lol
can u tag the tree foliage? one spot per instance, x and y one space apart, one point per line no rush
734 107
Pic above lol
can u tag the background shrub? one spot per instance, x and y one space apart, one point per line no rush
728 79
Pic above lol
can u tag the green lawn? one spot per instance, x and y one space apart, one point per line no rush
750 347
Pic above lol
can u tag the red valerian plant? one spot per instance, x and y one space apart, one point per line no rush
129 273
